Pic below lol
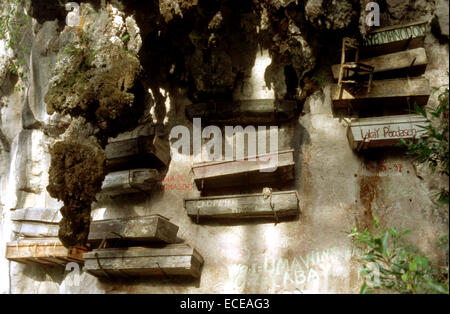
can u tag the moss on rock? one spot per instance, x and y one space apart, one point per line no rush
97 84
75 176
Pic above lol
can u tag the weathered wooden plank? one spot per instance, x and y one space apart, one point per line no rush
140 131
31 229
384 92
250 171
280 204
42 251
384 131
36 214
243 111
154 228
130 181
173 259
36 222
414 58
395 38
142 152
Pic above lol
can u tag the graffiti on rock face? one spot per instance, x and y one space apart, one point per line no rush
292 274
383 168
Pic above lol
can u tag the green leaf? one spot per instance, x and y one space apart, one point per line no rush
420 110
413 266
370 258
363 288
406 232
384 243
394 232
376 221
439 288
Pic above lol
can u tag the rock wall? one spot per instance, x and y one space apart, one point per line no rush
193 51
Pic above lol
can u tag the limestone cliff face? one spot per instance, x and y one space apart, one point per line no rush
64 91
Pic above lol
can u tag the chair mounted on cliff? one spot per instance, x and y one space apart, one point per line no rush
352 73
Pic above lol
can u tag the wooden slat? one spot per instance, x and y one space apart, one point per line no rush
393 61
395 38
244 206
385 92
130 181
43 251
243 111
142 152
384 131
218 174
140 131
174 259
142 230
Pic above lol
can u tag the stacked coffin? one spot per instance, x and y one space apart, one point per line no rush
128 159
385 131
140 246
396 53
262 172
37 229
243 111
278 204
256 170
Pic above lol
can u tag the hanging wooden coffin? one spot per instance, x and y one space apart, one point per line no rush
138 152
43 251
36 222
130 181
384 131
395 38
384 92
276 205
264 169
414 60
131 231
171 260
243 111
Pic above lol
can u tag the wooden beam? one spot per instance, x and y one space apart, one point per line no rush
243 111
244 206
42 251
136 230
173 259
130 181
384 92
393 61
384 131
142 152
219 174
395 38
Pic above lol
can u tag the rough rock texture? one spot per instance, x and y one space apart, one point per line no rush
94 77
75 176
97 84
332 14
441 20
